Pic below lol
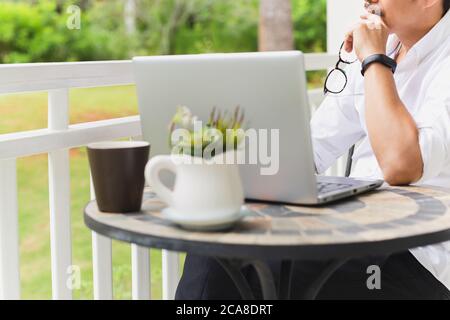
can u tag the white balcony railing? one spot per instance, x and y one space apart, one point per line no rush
57 79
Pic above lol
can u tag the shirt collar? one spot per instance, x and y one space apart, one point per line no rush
436 36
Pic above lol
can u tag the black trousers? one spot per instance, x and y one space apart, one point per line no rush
402 277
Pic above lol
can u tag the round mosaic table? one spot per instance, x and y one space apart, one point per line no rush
382 222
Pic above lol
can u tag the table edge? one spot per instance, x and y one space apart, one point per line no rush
280 252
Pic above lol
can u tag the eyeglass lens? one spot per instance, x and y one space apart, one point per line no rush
337 79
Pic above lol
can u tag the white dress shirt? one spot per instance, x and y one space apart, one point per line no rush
422 80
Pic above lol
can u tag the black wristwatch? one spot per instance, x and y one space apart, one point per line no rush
378 58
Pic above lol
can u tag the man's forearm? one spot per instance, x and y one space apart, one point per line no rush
392 131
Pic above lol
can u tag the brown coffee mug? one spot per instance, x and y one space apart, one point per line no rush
117 169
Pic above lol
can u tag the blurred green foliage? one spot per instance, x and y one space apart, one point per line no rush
36 31
310 25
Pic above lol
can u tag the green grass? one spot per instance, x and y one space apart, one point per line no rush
29 112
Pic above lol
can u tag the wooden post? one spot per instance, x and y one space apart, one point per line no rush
59 184
171 275
140 264
101 262
9 234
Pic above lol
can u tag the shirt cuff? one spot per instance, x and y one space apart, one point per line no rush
323 159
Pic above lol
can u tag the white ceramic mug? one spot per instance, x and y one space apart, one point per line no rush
202 191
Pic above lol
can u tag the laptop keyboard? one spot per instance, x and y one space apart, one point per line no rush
326 187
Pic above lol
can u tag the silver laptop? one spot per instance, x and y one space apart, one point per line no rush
271 88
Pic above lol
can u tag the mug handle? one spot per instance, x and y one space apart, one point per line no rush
152 170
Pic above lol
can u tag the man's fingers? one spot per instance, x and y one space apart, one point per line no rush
371 23
349 35
366 21
348 46
373 20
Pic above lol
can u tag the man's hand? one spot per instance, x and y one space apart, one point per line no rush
369 36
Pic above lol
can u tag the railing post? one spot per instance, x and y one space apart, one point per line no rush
102 267
59 191
171 274
140 264
9 236
102 263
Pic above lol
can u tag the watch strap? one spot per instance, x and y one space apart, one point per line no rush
378 58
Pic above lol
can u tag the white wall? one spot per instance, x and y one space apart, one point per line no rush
341 15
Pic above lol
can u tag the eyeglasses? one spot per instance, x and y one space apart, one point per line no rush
336 80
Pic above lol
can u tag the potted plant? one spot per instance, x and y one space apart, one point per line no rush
208 192
223 132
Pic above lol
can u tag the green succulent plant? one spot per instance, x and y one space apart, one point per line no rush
223 132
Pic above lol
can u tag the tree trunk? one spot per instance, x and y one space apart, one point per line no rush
130 16
180 13
275 26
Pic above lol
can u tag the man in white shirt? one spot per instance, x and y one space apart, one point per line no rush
402 121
